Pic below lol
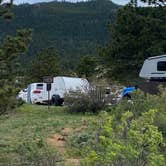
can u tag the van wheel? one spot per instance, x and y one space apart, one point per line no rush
55 100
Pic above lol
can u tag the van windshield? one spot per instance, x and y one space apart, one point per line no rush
39 86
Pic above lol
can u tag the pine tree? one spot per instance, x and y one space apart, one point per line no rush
5 9
136 35
10 49
86 66
46 63
155 2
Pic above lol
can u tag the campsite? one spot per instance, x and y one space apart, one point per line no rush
83 83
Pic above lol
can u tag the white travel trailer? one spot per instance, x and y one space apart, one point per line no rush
63 85
37 93
154 68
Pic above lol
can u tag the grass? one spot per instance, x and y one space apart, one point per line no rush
30 125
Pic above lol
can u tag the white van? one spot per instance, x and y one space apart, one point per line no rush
37 93
154 68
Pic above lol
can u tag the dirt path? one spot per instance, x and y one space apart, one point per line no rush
58 140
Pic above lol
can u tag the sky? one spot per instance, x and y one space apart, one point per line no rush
120 2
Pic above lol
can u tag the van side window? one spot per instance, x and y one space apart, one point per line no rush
161 66
39 86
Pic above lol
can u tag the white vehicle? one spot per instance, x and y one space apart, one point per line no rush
22 95
63 85
154 68
37 93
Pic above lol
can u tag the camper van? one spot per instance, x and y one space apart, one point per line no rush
37 93
154 68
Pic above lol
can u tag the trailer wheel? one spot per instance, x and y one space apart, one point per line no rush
56 100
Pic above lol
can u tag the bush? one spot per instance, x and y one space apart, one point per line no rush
35 152
78 141
131 142
129 133
84 102
141 103
160 104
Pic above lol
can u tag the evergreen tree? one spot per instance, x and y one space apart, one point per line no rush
86 66
155 2
46 63
10 49
75 29
136 35
150 2
5 9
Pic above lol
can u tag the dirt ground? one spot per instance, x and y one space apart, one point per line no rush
58 140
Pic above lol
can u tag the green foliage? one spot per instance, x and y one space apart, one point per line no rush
75 29
86 67
36 152
155 2
160 3
45 63
137 34
84 102
24 135
10 50
160 104
134 142
131 133
5 9
142 102
78 141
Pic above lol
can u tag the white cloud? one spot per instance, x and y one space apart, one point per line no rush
124 2
121 2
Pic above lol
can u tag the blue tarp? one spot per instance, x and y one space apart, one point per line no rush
127 90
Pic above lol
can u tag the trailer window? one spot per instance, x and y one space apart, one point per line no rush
161 66
39 86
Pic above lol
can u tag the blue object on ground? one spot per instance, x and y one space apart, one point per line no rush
127 90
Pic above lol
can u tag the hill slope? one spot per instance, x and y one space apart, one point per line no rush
73 28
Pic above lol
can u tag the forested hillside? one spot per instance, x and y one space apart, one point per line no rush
75 29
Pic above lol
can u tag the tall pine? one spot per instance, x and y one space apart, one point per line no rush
10 48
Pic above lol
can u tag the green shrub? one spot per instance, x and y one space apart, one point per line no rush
84 102
35 152
141 103
131 142
130 133
78 141
160 104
